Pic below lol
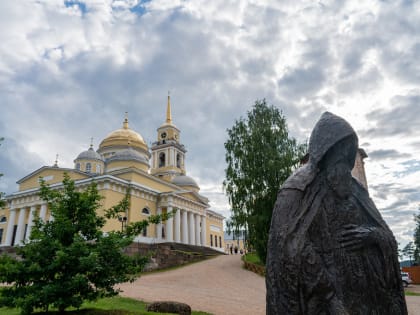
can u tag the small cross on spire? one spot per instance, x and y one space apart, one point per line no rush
125 124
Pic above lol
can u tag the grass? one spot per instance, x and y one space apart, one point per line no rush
253 258
412 293
107 306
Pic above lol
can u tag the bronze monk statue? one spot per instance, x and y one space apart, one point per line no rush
329 250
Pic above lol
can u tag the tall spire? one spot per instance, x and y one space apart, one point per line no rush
125 124
56 161
91 143
168 111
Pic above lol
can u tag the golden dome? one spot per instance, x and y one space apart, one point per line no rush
123 137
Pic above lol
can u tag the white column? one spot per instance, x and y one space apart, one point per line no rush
43 212
184 227
159 225
197 229
203 231
10 227
192 228
30 222
177 226
169 227
21 227
173 157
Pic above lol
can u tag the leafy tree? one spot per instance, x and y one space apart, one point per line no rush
400 253
417 239
2 201
408 251
260 156
69 259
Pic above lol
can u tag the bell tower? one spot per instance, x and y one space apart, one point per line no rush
168 154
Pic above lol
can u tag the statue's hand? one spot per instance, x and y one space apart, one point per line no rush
354 237
336 307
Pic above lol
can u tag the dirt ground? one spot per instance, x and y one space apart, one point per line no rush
219 286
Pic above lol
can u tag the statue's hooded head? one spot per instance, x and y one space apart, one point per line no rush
331 130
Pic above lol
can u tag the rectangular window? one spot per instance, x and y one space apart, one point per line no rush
215 240
1 236
26 229
211 240
14 235
220 241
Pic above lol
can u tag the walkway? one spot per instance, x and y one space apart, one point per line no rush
219 286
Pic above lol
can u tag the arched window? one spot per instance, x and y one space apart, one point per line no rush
98 168
78 166
88 167
145 211
215 240
220 241
3 219
178 160
161 159
211 240
144 232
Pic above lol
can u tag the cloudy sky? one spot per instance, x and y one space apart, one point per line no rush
70 69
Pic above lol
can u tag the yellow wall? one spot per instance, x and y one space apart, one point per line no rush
211 220
111 198
93 164
146 181
114 165
5 212
57 177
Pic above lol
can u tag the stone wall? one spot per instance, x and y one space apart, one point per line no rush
165 255
8 250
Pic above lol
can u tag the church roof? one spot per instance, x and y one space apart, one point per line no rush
128 155
184 180
89 155
123 137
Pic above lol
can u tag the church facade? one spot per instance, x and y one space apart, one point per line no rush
155 178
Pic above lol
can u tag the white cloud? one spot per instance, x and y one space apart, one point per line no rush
68 73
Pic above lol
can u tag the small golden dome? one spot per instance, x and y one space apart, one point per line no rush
122 137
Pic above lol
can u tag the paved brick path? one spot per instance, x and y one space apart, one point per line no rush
413 302
219 286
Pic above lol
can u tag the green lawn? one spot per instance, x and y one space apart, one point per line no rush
253 258
411 293
108 306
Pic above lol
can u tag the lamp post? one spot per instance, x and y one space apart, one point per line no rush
123 220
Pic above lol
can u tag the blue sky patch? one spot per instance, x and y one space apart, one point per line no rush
81 5
139 8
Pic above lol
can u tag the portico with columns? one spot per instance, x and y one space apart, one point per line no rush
20 221
188 223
